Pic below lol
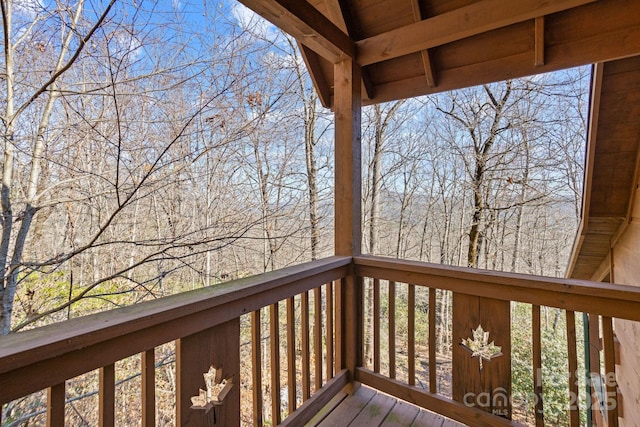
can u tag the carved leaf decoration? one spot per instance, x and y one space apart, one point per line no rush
480 346
217 389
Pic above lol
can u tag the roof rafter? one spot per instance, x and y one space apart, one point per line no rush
465 22
308 25
426 58
339 13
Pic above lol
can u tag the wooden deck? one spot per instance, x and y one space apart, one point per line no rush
370 408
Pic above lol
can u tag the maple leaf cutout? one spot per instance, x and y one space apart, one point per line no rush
217 389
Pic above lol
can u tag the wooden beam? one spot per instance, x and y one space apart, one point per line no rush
539 41
306 24
572 53
426 58
458 24
343 19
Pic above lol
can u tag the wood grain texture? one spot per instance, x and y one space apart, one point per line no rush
217 347
376 325
572 355
391 337
55 353
148 369
317 402
411 334
331 336
459 24
611 399
444 406
274 363
469 382
107 396
348 174
307 24
305 346
317 337
539 43
433 377
256 367
291 355
614 300
55 405
536 339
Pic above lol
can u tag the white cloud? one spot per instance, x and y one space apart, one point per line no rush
29 8
252 22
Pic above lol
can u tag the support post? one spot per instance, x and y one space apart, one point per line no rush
472 385
218 347
348 209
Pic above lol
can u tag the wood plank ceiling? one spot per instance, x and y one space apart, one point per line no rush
409 48
611 173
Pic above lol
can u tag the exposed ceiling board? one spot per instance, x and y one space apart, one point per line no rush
612 165
502 43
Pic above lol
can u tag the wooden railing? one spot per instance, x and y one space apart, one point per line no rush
205 325
602 302
285 340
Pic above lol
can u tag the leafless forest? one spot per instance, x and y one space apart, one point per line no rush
153 147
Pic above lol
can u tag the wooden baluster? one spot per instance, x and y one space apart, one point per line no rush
432 341
291 354
392 329
148 369
595 370
574 410
330 334
306 348
611 398
339 343
107 396
217 347
55 405
274 332
317 336
256 367
536 329
411 332
376 325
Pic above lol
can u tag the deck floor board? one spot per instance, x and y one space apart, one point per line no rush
370 408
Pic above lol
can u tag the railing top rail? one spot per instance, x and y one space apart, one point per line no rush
612 300
167 318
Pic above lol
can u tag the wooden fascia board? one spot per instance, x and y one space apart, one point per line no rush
304 22
592 134
458 24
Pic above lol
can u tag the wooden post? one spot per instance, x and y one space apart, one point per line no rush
488 389
148 368
106 406
218 347
55 405
348 227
